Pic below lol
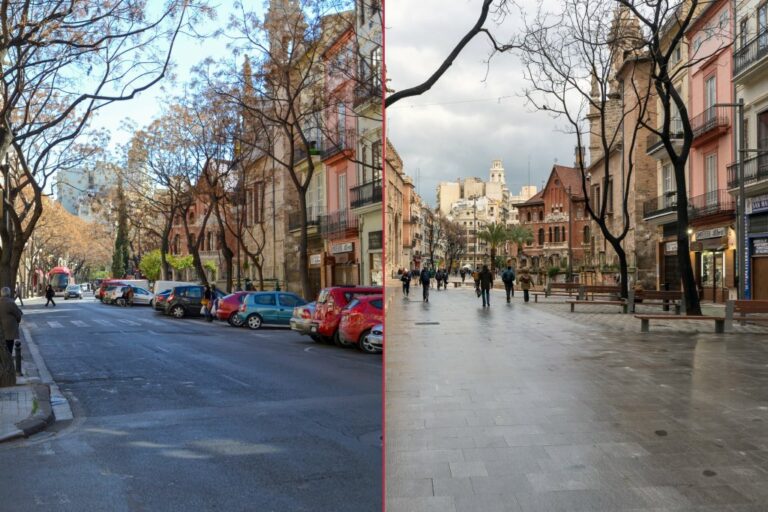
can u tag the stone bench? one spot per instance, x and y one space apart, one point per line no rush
620 303
645 320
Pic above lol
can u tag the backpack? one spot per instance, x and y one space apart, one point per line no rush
508 275
425 277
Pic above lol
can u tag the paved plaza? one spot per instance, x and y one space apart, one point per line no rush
528 407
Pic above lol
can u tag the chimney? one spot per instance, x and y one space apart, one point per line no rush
578 157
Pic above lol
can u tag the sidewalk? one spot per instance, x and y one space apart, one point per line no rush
531 408
29 407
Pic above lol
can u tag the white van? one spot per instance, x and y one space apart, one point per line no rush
136 283
161 286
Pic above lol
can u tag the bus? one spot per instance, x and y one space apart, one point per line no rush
59 278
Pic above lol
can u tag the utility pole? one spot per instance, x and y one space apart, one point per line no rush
570 236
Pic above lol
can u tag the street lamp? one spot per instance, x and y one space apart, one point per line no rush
570 236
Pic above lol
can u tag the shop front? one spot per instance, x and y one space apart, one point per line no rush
714 250
342 264
756 271
669 268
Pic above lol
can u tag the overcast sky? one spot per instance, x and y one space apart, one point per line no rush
468 119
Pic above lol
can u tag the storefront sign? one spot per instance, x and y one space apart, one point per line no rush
670 247
746 269
760 246
756 204
340 248
710 233
315 259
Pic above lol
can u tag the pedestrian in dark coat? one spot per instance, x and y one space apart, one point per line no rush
406 280
425 284
525 283
508 277
10 316
486 283
49 294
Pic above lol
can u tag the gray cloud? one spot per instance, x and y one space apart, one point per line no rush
475 113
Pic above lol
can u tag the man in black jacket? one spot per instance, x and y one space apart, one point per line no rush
486 283
425 283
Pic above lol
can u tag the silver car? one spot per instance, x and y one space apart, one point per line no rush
140 295
373 343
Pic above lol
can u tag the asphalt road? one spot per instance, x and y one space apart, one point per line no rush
186 415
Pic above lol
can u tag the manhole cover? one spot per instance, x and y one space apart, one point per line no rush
427 323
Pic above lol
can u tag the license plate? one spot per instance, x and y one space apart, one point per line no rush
313 328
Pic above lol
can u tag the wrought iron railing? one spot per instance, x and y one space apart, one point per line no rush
717 201
345 140
367 92
337 222
711 118
653 142
365 194
755 170
750 53
665 203
313 218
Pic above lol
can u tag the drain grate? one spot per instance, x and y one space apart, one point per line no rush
427 323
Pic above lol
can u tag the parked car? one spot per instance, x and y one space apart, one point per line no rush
73 291
159 286
268 308
358 318
229 306
374 340
159 301
186 300
140 295
330 302
107 295
99 293
301 321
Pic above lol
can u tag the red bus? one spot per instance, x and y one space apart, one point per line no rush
59 278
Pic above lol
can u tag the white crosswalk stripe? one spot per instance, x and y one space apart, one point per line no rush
103 322
129 322
79 323
54 324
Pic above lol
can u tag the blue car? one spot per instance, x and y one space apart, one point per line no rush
269 308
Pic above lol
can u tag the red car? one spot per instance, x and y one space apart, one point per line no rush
358 318
330 302
228 307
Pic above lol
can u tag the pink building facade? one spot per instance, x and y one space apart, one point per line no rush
711 207
340 226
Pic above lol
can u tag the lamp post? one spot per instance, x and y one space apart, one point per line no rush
570 236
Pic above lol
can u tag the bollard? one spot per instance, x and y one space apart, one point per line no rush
18 358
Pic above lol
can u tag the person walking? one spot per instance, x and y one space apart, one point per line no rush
486 283
18 294
508 278
463 274
425 284
525 282
49 294
10 316
406 280
439 278
431 275
476 278
207 303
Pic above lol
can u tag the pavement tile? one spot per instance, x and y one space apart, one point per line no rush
409 487
429 504
487 503
455 487
467 469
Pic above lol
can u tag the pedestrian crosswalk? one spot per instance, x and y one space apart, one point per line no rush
93 323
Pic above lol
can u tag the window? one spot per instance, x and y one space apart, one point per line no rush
376 159
557 234
550 235
696 44
342 190
289 300
341 124
668 185
264 299
377 303
376 67
743 32
194 292
723 21
762 23
710 169
710 95
609 209
586 234
541 236
529 216
541 215
563 231
257 204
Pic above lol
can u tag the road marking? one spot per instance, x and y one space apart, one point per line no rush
55 324
162 349
79 323
308 349
129 322
237 381
103 322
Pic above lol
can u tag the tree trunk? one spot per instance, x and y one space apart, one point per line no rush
7 370
260 272
306 291
690 290
623 271
165 268
228 257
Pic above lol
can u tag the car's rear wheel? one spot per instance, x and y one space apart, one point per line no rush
338 341
366 345
317 338
254 321
177 312
235 320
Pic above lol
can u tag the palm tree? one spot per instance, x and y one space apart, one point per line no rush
494 235
521 236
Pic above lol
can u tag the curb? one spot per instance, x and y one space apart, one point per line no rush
43 417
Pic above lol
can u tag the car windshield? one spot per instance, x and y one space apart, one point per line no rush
352 304
75 287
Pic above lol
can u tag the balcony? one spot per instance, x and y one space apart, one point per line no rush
366 194
751 53
755 171
711 203
659 206
712 120
338 223
368 92
345 142
654 145
313 219
300 152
